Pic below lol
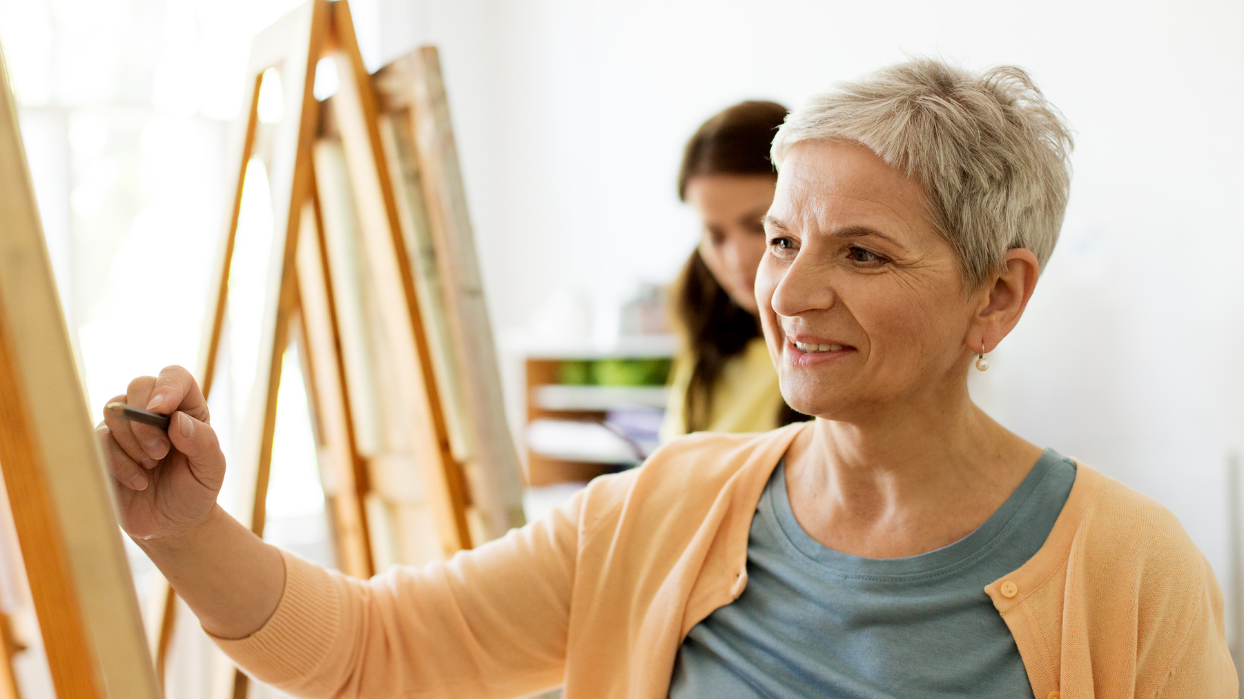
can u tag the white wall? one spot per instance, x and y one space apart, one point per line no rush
571 117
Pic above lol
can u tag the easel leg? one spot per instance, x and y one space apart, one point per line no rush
324 370
9 647
55 482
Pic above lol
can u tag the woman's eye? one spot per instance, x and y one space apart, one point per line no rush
782 243
859 254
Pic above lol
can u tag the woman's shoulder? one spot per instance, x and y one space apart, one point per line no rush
1142 592
1137 524
1129 541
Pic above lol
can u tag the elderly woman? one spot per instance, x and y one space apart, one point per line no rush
902 545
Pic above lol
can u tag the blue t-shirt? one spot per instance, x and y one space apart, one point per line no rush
814 622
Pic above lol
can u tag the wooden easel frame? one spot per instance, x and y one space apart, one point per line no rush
58 491
14 598
301 306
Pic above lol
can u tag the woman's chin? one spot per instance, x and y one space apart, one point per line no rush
829 397
813 404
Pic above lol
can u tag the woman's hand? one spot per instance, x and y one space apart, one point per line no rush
165 482
166 485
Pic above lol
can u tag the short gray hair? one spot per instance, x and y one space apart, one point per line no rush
989 150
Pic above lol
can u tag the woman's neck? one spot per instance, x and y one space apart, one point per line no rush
905 481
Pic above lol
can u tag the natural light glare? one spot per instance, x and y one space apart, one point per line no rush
179 71
294 488
149 312
271 97
327 82
88 133
26 33
247 282
90 69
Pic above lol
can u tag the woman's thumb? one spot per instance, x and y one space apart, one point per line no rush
197 440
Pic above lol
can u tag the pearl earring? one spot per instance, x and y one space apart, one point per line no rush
982 363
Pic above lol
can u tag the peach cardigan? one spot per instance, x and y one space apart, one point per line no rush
600 594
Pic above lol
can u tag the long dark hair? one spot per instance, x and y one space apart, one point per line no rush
714 327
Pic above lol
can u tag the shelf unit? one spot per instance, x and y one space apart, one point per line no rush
558 397
548 398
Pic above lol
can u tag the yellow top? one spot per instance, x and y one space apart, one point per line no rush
746 397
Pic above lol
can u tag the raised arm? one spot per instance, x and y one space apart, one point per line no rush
490 622
166 486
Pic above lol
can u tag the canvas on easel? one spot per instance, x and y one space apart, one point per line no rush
57 487
418 440
422 154
417 137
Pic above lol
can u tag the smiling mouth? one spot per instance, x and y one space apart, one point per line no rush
817 349
807 354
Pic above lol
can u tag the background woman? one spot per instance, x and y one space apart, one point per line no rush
723 379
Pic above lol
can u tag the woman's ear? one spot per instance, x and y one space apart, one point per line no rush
1004 300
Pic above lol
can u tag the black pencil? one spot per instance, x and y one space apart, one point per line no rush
133 414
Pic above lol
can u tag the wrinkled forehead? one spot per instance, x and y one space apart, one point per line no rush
828 184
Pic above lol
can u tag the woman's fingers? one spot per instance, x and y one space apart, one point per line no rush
120 465
121 431
197 440
176 389
153 440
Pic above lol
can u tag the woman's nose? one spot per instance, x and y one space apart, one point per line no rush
803 287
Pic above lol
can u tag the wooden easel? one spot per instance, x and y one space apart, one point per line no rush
10 648
53 471
14 595
410 227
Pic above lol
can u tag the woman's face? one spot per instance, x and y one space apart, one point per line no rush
733 238
861 300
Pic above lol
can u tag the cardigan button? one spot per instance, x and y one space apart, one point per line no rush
1052 695
1009 590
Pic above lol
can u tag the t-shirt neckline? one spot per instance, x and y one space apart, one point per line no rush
776 512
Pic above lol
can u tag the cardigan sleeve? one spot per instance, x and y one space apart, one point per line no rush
1201 666
489 622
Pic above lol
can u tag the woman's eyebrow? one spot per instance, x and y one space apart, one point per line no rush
862 232
771 221
848 233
